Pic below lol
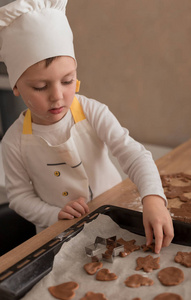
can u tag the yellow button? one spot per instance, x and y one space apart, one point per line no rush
65 194
57 173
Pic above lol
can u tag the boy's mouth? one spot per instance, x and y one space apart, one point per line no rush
56 110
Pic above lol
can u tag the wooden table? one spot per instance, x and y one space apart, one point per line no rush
123 195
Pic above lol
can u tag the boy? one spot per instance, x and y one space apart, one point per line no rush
55 155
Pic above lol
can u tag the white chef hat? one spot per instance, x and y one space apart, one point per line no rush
31 31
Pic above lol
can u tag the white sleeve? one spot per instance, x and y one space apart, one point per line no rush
20 191
133 158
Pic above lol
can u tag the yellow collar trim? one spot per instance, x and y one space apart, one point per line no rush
76 110
27 124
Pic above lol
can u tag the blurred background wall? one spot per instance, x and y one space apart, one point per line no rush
135 56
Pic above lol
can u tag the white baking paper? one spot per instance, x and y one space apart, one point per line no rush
69 262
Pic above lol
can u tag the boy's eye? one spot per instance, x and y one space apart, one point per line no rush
44 87
68 82
39 88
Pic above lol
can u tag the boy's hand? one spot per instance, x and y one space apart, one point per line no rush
157 221
74 209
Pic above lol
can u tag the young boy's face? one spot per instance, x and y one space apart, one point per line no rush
48 91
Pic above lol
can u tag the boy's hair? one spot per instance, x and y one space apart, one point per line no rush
49 60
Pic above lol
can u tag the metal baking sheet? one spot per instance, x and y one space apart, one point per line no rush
16 281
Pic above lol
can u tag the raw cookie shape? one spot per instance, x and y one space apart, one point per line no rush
94 296
168 296
91 268
150 247
183 213
136 299
186 206
137 280
148 263
184 258
64 291
178 192
113 249
129 246
105 275
172 191
170 276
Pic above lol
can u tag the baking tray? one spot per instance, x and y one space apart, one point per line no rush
16 281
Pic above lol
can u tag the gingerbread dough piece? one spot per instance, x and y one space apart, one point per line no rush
64 291
150 247
183 213
105 275
136 299
186 207
137 280
170 276
111 244
174 191
129 246
184 258
94 296
178 192
148 263
91 268
168 296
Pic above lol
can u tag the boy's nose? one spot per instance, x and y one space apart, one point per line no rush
56 93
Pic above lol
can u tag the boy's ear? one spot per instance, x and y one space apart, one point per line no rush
16 91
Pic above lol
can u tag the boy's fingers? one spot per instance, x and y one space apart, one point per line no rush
78 208
158 232
148 234
72 211
166 241
163 236
63 215
82 201
81 207
168 236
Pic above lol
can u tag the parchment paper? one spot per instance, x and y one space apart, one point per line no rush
69 262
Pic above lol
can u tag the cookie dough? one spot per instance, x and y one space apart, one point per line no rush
183 213
148 263
129 246
170 276
168 296
64 291
94 296
150 247
175 191
105 275
178 192
184 258
91 268
137 280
